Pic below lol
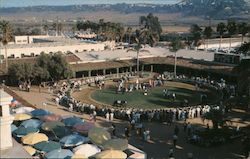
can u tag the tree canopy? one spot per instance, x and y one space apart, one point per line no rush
48 67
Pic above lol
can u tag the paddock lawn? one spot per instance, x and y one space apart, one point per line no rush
155 98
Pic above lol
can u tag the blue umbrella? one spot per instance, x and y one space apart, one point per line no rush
40 112
47 146
13 127
59 153
32 123
71 121
72 140
22 131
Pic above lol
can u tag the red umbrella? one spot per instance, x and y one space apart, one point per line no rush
51 117
83 128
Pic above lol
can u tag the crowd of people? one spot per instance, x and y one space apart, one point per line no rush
167 115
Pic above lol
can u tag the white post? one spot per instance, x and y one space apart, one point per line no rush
5 121
175 62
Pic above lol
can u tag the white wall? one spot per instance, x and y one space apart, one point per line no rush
27 50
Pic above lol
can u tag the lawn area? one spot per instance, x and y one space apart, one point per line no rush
155 98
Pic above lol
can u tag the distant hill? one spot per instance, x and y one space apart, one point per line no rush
216 9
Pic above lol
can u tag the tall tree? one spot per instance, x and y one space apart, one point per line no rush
243 69
232 29
216 116
243 30
245 48
152 24
207 34
6 30
46 29
196 32
129 33
138 47
221 29
174 46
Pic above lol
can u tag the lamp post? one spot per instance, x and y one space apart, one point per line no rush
175 62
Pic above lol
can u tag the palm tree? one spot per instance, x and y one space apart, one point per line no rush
129 33
6 30
232 29
207 33
46 29
174 46
196 32
243 30
221 29
60 28
140 41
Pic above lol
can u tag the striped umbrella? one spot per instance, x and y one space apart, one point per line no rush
21 116
51 117
71 121
47 146
72 140
40 112
116 144
83 128
98 135
59 153
31 123
50 125
22 131
30 150
87 150
111 154
33 138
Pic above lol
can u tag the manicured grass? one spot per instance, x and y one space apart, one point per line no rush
155 98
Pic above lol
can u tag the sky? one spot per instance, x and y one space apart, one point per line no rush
25 3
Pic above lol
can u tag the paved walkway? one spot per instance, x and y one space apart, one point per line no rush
17 151
161 135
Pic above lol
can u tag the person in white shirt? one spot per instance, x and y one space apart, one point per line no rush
111 116
107 116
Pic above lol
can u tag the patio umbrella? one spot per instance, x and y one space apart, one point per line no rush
31 123
33 138
47 146
72 140
40 112
78 156
111 154
51 117
116 144
83 128
26 110
59 153
21 116
86 150
60 131
98 135
31 151
71 121
22 131
50 125
13 127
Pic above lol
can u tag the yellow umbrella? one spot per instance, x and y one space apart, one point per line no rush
22 116
78 156
116 144
98 135
111 154
30 150
34 138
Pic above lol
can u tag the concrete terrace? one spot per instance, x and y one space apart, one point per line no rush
124 54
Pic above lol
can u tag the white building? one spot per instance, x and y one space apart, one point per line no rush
34 45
